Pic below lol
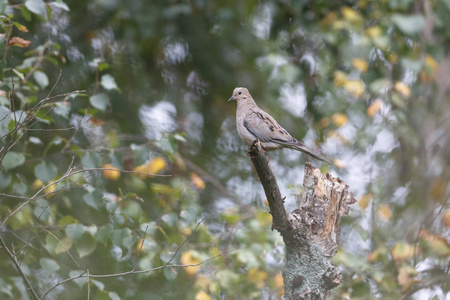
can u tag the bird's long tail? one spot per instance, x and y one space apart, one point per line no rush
300 147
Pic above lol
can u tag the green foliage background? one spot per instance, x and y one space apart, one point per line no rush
143 85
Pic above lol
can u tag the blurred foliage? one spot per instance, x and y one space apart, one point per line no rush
99 99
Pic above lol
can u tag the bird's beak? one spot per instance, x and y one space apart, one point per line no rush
231 98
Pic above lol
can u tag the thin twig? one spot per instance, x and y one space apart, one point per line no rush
16 264
134 272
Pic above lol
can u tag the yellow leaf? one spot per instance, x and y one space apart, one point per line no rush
374 108
202 282
22 28
339 119
264 218
197 181
63 245
110 174
37 184
325 122
351 15
360 64
445 220
156 165
374 31
202 296
190 258
438 244
339 78
406 276
365 200
431 63
403 89
403 251
384 212
438 188
354 87
257 277
50 188
429 70
377 254
339 163
19 42
153 167
279 284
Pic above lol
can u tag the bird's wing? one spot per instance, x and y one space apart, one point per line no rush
265 128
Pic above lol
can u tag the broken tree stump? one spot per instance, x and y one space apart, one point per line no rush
311 232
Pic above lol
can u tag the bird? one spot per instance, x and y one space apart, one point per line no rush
254 123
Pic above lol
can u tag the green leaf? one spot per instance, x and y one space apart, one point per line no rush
112 296
37 7
5 117
409 24
86 244
35 140
60 4
49 265
99 101
360 289
104 233
45 171
12 160
91 160
99 284
93 199
41 79
5 179
227 279
75 231
62 109
79 281
108 82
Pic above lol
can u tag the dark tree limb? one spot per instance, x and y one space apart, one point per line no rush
311 232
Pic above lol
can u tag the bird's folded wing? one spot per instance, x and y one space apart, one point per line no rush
265 128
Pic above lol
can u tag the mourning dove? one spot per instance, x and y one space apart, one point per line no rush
254 123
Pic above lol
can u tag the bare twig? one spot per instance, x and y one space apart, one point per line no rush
16 264
69 173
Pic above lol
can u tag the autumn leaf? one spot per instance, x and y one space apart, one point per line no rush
374 108
257 277
339 119
110 174
403 251
197 181
355 87
384 212
202 296
360 64
19 42
190 258
445 220
279 284
365 200
406 275
151 168
374 31
403 89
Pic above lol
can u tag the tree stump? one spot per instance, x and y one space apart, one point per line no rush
311 232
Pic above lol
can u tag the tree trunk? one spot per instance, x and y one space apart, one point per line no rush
311 232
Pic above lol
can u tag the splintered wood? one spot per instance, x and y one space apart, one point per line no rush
324 201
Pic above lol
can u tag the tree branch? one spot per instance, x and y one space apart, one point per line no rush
16 264
311 232
269 182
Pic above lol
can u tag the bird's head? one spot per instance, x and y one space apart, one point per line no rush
240 93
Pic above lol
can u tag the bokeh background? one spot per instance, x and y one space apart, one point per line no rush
144 86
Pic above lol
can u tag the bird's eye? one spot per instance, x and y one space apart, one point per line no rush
239 93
